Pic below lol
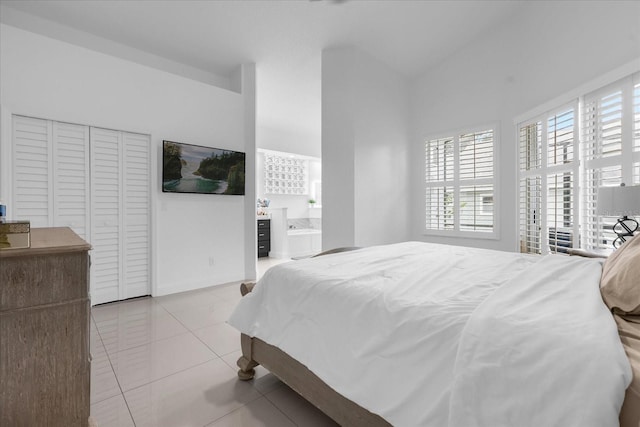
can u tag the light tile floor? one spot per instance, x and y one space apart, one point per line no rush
171 361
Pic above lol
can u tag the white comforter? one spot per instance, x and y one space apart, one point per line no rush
435 335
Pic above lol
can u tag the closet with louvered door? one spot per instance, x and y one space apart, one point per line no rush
95 181
120 187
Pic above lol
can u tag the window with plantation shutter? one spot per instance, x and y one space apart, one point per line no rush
610 152
548 191
558 195
460 184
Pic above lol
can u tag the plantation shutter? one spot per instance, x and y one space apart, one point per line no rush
530 219
476 181
530 142
560 211
561 189
32 171
548 191
636 130
609 153
460 183
439 159
137 192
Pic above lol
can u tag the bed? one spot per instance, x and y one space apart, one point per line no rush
418 334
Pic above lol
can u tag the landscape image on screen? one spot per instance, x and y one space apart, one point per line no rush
193 169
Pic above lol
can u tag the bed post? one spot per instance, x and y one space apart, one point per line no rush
246 362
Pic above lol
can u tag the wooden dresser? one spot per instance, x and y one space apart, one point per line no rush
45 365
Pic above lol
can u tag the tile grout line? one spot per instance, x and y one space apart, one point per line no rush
192 331
279 409
148 343
214 355
114 374
235 410
167 376
188 331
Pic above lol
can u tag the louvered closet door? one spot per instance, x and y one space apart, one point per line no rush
71 178
136 222
106 209
32 171
50 173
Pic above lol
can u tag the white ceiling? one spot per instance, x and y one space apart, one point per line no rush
283 38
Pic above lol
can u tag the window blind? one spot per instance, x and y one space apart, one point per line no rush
636 115
459 182
610 152
636 131
530 208
560 138
530 146
439 175
439 160
476 155
439 208
548 171
560 210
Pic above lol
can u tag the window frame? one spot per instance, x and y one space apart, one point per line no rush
456 183
543 171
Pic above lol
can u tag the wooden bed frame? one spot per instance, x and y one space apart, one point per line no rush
342 410
297 376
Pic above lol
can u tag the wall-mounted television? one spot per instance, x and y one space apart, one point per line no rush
190 168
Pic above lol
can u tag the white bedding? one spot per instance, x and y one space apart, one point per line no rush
435 335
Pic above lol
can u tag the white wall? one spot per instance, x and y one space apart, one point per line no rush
288 141
545 51
46 78
365 151
248 88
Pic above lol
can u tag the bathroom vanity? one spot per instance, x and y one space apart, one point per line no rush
264 237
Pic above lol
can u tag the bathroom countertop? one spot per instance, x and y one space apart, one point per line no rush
297 231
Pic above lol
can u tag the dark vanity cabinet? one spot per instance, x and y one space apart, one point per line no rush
264 237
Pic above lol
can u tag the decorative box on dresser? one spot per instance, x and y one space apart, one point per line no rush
45 365
264 237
